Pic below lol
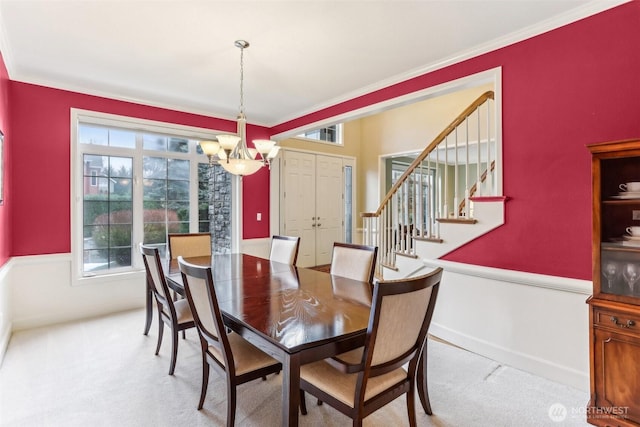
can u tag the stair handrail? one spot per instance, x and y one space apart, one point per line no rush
436 141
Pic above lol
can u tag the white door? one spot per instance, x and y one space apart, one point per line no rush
312 200
329 206
299 183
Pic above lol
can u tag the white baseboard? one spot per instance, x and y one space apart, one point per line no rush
4 341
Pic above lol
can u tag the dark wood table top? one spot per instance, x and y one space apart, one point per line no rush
293 308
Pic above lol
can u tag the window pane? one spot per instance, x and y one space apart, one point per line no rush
121 167
155 189
91 134
120 257
179 227
331 134
154 167
93 208
178 190
122 138
155 232
155 142
178 169
120 235
107 211
178 211
179 145
122 189
95 260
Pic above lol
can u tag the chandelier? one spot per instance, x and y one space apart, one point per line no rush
231 151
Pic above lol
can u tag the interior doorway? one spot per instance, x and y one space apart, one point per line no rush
316 203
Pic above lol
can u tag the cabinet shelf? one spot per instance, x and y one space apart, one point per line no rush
619 246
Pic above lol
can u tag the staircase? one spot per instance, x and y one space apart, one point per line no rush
447 197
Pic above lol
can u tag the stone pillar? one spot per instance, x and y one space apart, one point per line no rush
220 210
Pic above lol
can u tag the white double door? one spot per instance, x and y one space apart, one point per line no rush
313 202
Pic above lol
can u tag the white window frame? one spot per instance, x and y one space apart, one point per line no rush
77 184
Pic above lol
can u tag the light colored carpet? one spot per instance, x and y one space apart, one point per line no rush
103 372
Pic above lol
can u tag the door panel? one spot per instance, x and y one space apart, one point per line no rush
299 203
328 206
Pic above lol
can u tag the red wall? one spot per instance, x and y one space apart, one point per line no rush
561 90
41 164
5 229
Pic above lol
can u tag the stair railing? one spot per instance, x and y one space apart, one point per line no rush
436 187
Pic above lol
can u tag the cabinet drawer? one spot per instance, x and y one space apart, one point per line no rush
618 321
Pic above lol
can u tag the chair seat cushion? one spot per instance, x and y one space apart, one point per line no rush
246 356
342 386
183 312
352 357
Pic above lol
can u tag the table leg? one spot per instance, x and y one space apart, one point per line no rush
290 389
149 307
421 381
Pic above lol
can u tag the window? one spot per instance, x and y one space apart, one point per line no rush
416 195
137 181
330 134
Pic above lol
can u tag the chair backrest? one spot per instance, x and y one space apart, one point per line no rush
401 313
356 262
155 274
284 249
189 245
201 295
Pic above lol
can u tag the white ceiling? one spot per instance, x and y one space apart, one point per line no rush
304 55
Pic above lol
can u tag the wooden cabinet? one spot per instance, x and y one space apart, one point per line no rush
615 303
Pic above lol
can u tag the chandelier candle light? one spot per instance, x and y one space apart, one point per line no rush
231 151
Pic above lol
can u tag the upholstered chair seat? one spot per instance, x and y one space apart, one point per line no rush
343 386
246 357
183 312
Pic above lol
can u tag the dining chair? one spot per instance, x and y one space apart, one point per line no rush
284 249
356 262
361 381
230 354
176 314
186 244
189 245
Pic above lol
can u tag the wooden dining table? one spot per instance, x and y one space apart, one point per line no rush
296 315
